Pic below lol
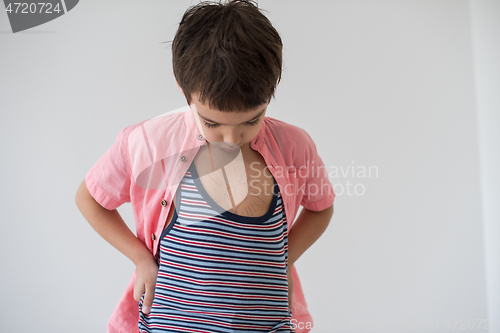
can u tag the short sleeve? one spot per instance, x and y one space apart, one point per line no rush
108 181
318 193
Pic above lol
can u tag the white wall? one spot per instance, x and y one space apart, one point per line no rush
402 86
485 16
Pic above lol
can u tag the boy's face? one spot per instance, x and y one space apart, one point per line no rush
228 130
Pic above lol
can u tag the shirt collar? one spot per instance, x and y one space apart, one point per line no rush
195 134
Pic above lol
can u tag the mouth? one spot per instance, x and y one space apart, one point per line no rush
229 147
230 150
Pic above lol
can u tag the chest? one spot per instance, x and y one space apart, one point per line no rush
241 184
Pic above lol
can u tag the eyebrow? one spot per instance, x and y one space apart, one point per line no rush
257 116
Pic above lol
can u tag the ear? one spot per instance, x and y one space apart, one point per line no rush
182 92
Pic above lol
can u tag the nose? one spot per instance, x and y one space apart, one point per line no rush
233 136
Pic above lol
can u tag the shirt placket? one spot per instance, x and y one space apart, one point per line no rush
166 202
272 164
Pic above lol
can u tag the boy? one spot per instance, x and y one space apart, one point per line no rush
227 61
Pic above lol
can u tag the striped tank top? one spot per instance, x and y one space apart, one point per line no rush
219 271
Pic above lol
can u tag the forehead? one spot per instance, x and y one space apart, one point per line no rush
227 118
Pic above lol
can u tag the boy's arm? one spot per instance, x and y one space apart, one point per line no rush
306 229
110 225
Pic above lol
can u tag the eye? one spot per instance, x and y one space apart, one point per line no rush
254 122
211 125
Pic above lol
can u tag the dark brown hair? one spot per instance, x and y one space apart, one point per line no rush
230 54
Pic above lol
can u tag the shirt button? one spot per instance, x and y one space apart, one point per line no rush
200 137
153 236
164 203
184 158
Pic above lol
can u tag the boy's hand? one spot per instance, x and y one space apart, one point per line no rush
145 281
290 287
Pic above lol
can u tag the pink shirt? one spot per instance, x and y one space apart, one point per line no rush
147 161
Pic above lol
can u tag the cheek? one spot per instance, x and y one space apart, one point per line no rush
211 137
251 133
211 134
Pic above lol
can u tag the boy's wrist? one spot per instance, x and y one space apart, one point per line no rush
144 257
141 254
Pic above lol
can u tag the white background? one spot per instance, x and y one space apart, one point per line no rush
408 87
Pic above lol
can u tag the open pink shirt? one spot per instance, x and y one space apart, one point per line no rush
147 161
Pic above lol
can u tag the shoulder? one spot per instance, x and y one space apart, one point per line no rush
289 135
171 119
172 122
